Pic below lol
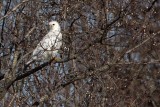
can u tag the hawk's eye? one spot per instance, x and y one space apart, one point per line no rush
53 24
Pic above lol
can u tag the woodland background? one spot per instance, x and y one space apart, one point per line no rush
110 55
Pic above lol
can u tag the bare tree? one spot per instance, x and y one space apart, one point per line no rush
109 58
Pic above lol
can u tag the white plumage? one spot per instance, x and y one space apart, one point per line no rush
49 45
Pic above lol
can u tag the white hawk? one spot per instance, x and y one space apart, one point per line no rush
50 44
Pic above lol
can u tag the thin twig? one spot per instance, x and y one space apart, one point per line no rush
14 9
146 40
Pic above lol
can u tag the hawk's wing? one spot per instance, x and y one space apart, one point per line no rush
48 46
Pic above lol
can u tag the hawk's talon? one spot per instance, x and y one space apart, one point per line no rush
57 59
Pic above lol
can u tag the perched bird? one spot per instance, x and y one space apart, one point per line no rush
50 44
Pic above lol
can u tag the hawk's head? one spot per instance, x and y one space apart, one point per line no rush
54 26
